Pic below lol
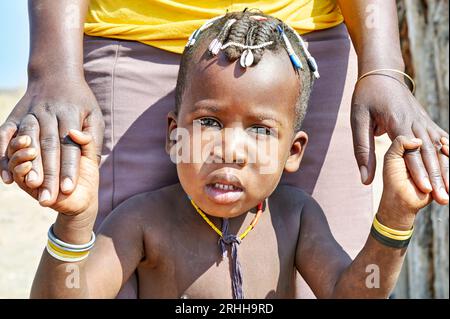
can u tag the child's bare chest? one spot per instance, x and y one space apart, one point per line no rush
192 266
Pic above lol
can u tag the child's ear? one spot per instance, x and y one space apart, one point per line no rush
296 153
171 125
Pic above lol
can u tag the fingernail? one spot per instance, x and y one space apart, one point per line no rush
67 185
31 152
416 140
24 140
364 173
427 183
6 176
443 193
32 176
45 196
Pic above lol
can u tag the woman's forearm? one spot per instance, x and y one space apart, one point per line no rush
373 28
56 38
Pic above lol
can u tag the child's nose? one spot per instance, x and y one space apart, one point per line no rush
233 148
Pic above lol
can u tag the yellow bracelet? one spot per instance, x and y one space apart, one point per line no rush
65 255
392 233
389 235
391 230
378 71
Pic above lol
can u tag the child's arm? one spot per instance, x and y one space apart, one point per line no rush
329 270
118 248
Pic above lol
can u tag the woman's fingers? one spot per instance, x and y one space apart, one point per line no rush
7 131
50 152
438 141
70 154
29 126
430 157
443 160
415 165
363 142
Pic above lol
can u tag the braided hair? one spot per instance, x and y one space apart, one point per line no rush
246 36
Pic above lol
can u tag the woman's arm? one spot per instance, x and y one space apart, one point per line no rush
57 96
383 104
56 43
373 28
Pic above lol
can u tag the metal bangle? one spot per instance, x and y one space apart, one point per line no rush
378 71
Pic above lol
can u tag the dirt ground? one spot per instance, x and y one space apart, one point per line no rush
24 224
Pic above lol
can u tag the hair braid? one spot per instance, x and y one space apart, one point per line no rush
238 33
264 33
251 28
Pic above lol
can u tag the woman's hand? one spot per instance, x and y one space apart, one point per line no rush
383 104
402 199
46 113
21 154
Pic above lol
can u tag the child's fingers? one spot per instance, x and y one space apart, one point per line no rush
444 150
29 126
21 170
86 142
18 143
21 156
401 145
19 174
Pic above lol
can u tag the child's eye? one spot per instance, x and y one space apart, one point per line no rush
261 130
209 122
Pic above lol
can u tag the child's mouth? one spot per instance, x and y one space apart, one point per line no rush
222 193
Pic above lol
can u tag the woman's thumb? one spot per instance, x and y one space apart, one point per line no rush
86 142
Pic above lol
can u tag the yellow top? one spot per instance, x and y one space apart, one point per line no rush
167 24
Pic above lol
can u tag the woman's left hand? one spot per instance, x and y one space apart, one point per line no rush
382 104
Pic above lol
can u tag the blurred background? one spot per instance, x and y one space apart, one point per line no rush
424 34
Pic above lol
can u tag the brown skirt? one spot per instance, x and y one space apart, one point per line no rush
134 85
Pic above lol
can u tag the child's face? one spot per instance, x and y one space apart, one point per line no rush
239 132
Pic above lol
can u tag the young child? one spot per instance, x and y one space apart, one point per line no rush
227 230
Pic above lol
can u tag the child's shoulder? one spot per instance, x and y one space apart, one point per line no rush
151 204
291 194
290 200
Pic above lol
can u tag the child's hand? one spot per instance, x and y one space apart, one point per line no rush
85 193
401 198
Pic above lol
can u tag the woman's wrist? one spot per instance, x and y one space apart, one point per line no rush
57 72
370 61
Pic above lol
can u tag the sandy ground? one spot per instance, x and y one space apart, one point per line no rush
24 224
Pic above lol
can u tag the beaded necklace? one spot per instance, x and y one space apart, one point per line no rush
211 224
233 241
